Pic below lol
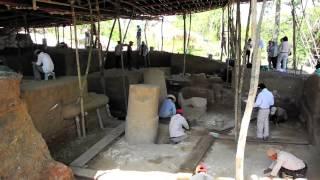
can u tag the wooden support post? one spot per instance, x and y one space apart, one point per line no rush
162 34
222 37
71 36
189 33
253 89
184 43
78 69
145 32
35 35
125 34
237 96
122 69
294 36
109 40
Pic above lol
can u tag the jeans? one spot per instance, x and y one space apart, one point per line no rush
282 58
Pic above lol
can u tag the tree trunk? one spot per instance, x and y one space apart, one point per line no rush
252 92
277 21
222 38
189 34
294 36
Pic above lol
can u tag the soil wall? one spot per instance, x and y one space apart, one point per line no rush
23 152
195 64
310 112
45 100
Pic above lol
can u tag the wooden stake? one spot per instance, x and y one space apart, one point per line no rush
78 68
184 43
189 34
253 90
162 34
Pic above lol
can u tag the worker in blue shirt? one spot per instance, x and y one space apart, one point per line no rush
168 108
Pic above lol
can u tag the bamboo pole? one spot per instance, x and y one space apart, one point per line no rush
109 40
122 69
190 18
71 36
162 34
184 43
145 32
125 34
253 90
90 48
222 38
102 80
78 68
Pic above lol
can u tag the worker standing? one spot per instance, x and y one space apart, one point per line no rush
43 64
118 52
264 101
143 52
138 36
285 165
176 125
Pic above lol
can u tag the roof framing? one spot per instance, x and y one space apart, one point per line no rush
33 13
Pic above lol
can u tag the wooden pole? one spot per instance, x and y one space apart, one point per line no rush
237 102
252 92
184 43
122 69
189 33
102 81
162 34
71 36
78 68
294 36
125 34
145 32
109 40
222 37
35 35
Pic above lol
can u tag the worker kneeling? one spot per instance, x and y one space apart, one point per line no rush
176 125
285 165
168 108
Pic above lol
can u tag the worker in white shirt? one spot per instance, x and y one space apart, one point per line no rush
176 125
118 52
285 165
43 64
284 51
264 101
143 52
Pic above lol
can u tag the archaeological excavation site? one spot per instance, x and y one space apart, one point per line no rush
159 89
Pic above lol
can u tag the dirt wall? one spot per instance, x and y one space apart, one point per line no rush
45 100
289 88
310 112
195 64
23 152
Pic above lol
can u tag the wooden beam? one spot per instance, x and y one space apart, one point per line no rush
95 149
198 152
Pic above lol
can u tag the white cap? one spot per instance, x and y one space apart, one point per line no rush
172 96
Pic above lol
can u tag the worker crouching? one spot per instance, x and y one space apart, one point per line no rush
176 125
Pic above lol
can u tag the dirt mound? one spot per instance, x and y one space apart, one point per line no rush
23 152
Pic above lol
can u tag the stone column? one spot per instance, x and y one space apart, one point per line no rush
156 77
142 117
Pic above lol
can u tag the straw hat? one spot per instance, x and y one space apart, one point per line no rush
172 97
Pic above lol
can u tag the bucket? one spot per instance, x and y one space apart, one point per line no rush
220 123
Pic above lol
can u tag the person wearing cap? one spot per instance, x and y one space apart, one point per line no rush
43 64
168 108
264 101
285 164
201 173
176 125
